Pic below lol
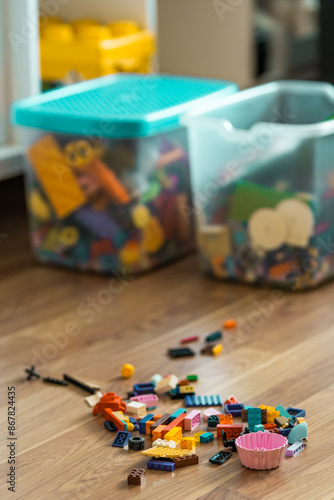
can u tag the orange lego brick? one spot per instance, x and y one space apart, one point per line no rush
156 417
109 415
226 419
177 422
232 431
157 433
269 427
188 443
231 401
109 180
109 400
148 427
174 434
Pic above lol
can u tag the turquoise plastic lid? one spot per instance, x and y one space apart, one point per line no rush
119 105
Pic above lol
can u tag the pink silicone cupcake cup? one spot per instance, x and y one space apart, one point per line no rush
261 450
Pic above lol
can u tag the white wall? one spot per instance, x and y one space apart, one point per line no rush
207 38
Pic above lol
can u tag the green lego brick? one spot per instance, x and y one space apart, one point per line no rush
258 428
192 378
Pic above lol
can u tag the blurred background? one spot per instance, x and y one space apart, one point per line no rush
50 43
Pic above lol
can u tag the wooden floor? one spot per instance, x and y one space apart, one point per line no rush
282 355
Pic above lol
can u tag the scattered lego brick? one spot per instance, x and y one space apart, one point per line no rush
150 400
166 384
160 465
188 443
137 476
164 420
177 422
281 421
181 352
212 422
148 425
110 401
298 433
136 408
145 388
175 434
203 401
258 428
164 443
160 451
220 457
93 399
157 433
254 418
212 337
110 426
78 383
206 437
234 409
186 460
142 423
177 394
186 389
192 378
192 420
231 401
230 324
186 340
226 419
56 381
296 412
136 443
197 436
294 449
156 378
32 373
109 416
156 417
183 382
177 413
282 411
232 431
121 439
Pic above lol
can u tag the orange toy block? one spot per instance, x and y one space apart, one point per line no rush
109 400
109 415
156 417
177 422
174 434
110 182
188 443
148 427
226 419
157 433
269 427
232 431
231 401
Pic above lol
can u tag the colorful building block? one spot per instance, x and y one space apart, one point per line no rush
200 401
231 401
197 436
174 434
181 352
186 460
121 439
156 378
164 443
166 384
294 449
177 422
192 420
212 422
271 413
150 400
142 423
137 477
164 420
161 465
226 419
109 426
192 378
160 451
209 412
109 400
157 433
212 337
298 433
206 437
136 443
188 443
300 420
258 428
177 413
281 421
296 412
186 340
109 416
148 427
234 409
146 388
156 417
220 457
282 411
186 389
254 418
232 431
136 408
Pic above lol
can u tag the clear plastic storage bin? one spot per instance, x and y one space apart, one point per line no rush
107 175
263 181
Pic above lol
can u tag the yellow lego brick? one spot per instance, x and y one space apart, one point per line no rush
57 178
188 443
186 388
300 420
175 434
271 413
197 436
120 415
159 451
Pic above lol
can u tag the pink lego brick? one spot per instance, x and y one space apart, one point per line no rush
151 400
192 420
209 412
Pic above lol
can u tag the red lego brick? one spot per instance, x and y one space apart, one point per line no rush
177 422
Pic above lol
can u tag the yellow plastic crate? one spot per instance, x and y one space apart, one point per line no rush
90 54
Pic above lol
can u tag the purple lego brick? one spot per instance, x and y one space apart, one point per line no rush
160 465
234 409
150 400
295 448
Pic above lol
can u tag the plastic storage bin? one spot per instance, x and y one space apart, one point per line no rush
85 49
263 179
108 184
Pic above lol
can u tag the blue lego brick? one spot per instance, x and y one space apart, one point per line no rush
146 388
121 439
203 401
110 426
142 422
177 413
234 409
296 412
134 422
160 465
206 437
254 418
285 432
